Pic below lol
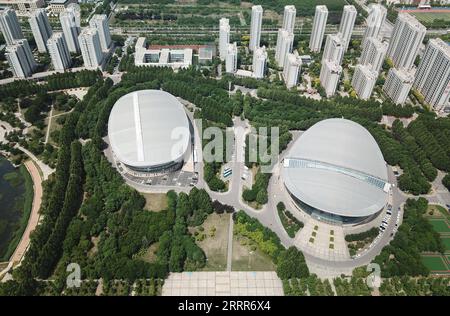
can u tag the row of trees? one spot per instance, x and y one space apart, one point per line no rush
59 81
415 235
258 192
410 144
368 234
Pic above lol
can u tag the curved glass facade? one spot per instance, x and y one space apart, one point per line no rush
306 163
168 167
329 217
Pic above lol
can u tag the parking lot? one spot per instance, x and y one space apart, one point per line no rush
178 178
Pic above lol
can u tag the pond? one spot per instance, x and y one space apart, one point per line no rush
16 194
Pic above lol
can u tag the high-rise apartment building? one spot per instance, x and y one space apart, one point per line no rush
231 59
292 69
398 84
70 30
330 72
363 81
433 74
100 22
285 42
10 27
373 54
59 52
259 62
405 42
318 29
289 18
20 58
41 29
224 37
255 28
347 23
91 49
334 48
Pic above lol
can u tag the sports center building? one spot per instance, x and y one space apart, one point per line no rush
149 132
336 172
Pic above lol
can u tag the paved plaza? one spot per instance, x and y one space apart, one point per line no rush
323 240
223 283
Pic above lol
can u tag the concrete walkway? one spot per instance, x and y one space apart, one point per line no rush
46 170
223 283
230 244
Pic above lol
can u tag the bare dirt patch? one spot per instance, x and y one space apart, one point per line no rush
213 239
155 202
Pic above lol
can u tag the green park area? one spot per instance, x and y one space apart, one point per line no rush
435 263
433 19
439 220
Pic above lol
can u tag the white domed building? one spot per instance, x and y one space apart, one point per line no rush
149 132
336 173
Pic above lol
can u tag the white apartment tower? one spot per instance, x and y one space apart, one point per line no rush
292 69
330 72
59 52
70 30
285 42
20 58
433 74
76 10
289 18
405 42
231 59
318 29
363 81
374 21
100 22
259 62
40 26
334 49
398 84
224 37
373 54
10 27
91 49
347 24
255 28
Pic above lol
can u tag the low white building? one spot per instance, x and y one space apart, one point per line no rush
165 57
23 7
58 6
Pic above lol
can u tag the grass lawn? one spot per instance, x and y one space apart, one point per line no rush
436 211
440 225
428 17
434 263
446 242
247 258
155 202
215 244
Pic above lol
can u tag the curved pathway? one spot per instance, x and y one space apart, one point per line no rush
33 220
